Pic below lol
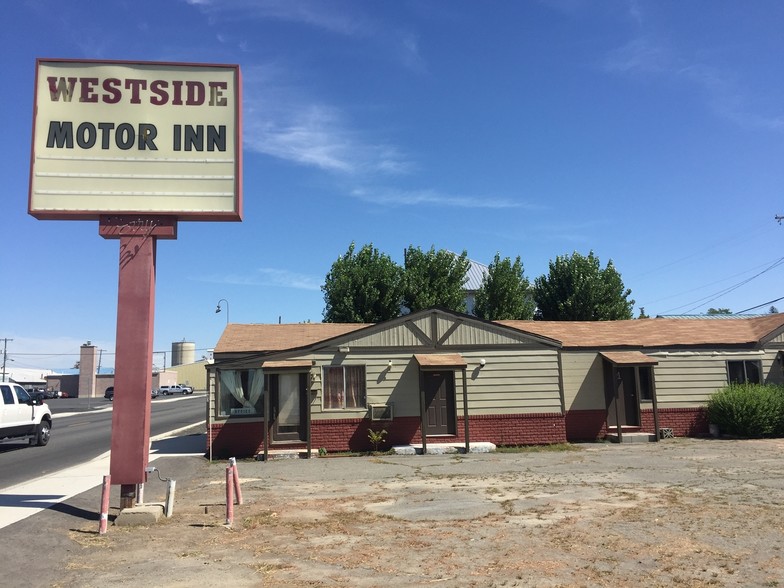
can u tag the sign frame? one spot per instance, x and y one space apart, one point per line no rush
136 138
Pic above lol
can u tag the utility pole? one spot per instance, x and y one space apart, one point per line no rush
5 355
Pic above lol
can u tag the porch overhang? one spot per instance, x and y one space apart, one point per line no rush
440 360
628 358
287 364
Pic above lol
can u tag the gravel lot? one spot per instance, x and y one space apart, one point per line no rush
682 512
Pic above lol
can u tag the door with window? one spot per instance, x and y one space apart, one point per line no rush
440 417
288 411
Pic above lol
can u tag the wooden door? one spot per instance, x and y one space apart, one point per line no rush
439 402
627 398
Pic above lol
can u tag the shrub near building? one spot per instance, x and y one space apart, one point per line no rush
748 410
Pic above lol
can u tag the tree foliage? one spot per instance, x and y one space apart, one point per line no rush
362 287
505 293
576 288
434 278
715 311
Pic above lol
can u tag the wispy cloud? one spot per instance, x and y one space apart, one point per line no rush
641 55
281 121
321 15
724 94
394 197
266 276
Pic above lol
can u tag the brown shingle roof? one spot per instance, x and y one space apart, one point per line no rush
238 338
640 333
658 332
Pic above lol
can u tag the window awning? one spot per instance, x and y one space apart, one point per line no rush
287 364
628 358
439 360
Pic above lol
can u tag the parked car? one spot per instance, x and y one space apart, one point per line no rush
37 394
109 394
22 417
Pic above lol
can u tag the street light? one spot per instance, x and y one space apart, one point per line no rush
217 310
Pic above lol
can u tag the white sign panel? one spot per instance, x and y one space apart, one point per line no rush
136 138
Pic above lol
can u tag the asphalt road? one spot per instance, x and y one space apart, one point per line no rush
82 431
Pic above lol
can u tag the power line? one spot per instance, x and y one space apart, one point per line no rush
760 305
717 295
652 302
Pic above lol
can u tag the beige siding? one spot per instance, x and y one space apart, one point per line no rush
778 339
400 336
683 379
466 334
510 382
583 380
689 379
471 334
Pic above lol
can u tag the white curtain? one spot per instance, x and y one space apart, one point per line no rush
231 382
256 388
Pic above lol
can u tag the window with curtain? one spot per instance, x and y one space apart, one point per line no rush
241 392
344 387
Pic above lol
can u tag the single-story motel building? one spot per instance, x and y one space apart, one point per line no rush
438 376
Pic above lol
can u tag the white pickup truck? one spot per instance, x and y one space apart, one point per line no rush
175 389
21 417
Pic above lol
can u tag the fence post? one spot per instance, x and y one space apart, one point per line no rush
229 495
236 478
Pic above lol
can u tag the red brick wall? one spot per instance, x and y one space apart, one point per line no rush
586 425
684 422
589 425
242 439
517 429
235 439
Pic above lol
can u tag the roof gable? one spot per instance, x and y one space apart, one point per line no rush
437 328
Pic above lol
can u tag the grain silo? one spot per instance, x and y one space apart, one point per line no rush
183 353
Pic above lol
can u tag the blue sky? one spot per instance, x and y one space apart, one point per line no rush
650 132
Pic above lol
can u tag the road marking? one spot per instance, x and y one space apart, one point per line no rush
28 498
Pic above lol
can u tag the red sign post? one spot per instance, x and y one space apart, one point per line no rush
136 146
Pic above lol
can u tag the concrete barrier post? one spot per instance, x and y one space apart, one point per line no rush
168 507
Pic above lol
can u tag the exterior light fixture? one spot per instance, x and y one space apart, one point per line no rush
218 309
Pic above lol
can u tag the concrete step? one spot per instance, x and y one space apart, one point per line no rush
636 437
443 448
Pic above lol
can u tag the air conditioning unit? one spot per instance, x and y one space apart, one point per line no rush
382 412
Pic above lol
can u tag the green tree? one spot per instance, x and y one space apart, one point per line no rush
714 311
578 289
505 293
434 278
362 287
